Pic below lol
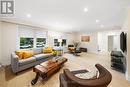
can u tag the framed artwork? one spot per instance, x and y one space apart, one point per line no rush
85 38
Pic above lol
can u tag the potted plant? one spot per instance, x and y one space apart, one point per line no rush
55 53
76 44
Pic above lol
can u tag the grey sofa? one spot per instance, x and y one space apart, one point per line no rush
18 64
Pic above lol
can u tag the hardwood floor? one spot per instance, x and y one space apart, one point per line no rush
84 61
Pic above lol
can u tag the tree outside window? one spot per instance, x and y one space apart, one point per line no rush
40 42
26 43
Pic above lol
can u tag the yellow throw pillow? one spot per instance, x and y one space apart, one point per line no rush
19 53
47 50
27 54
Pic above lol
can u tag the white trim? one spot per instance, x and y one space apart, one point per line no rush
127 76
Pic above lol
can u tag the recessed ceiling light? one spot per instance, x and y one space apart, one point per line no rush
29 15
97 21
102 26
85 9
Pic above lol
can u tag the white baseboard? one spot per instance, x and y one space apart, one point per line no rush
127 76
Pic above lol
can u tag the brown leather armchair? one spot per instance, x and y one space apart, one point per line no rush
68 79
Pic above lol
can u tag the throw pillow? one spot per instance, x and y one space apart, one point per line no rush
27 54
87 75
47 50
19 53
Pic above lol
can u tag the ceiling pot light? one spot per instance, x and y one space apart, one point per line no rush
85 9
29 15
97 21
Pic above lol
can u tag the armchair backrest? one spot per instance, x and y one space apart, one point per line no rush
103 80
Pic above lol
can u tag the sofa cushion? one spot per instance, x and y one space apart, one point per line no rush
27 61
42 56
27 54
37 51
88 75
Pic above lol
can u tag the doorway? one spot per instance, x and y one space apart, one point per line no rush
113 43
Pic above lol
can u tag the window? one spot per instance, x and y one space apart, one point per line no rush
26 42
56 43
63 42
41 42
31 37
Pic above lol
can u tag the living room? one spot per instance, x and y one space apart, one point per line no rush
77 34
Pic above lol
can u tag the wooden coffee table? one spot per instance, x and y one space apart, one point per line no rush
47 68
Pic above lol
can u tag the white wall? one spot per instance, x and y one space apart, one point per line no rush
128 48
0 42
59 35
92 46
9 41
54 35
70 38
103 40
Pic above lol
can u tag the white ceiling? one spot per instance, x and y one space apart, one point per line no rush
69 15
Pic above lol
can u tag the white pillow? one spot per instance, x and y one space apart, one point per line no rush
87 75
